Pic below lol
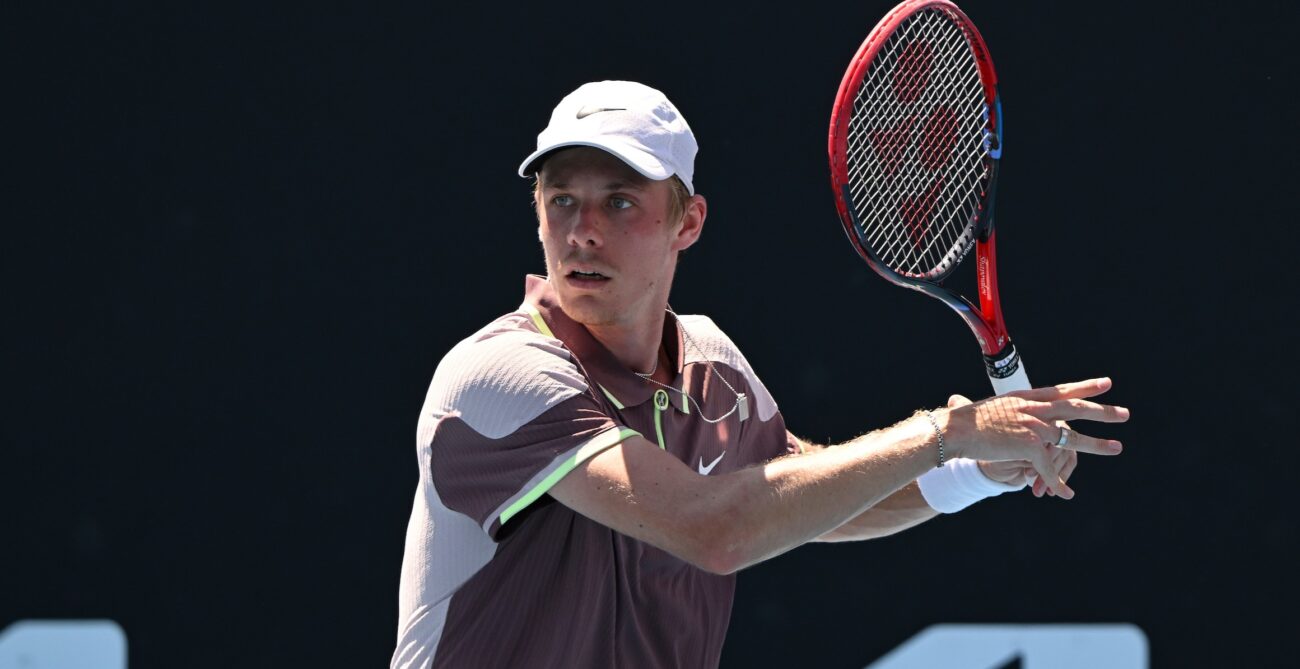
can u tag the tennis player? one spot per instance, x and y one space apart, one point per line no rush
595 468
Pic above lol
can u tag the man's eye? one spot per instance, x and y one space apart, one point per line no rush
562 200
620 203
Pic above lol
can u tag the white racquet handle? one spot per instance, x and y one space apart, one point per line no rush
1016 380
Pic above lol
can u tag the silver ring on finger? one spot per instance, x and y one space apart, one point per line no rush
1065 436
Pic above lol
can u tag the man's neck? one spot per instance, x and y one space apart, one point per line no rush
639 348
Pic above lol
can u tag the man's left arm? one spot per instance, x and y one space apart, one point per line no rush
900 511
907 508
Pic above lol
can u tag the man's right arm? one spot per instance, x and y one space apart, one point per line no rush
725 523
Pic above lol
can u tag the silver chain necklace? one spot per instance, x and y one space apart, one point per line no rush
742 402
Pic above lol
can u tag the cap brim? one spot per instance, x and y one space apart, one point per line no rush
644 163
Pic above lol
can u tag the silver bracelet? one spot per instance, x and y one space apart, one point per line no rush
937 433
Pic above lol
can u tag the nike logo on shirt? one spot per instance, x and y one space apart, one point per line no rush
704 471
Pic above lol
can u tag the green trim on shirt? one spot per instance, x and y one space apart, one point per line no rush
596 444
539 321
617 404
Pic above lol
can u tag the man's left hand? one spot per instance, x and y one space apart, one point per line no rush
1020 472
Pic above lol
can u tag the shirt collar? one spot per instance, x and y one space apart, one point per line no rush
620 384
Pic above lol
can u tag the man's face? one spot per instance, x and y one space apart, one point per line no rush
610 246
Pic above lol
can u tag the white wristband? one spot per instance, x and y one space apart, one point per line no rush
959 484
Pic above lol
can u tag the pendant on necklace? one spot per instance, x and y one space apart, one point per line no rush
742 406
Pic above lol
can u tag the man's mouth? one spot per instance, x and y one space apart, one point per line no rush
587 276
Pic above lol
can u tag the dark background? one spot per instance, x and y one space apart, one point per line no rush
239 239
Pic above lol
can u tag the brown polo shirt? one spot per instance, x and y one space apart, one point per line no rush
496 572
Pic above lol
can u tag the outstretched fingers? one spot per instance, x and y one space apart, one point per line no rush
1082 443
1089 388
1055 436
1080 409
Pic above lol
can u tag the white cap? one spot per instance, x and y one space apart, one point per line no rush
630 120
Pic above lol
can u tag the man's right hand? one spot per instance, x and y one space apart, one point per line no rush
1022 425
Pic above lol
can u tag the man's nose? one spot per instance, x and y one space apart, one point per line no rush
586 227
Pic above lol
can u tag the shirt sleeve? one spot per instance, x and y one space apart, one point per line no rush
510 417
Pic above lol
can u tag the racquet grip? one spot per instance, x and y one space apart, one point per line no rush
1007 372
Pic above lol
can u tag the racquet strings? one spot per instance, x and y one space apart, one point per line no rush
917 154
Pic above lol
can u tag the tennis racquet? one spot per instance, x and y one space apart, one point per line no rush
915 140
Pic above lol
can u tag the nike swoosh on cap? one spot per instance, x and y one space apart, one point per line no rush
704 471
589 110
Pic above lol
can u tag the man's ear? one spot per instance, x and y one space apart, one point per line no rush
697 209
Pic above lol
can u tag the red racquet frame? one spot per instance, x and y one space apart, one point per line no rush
986 321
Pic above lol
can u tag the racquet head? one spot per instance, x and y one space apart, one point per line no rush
915 140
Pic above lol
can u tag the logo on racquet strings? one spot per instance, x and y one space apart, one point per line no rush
933 133
912 74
